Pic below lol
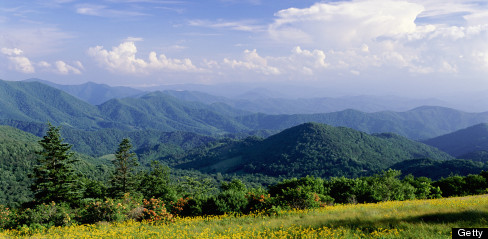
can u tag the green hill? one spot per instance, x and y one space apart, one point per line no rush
17 155
33 101
17 158
24 104
93 93
462 142
420 123
436 169
312 149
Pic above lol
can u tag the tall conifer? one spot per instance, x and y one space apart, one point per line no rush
54 177
124 180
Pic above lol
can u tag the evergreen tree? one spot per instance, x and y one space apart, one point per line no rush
156 183
124 180
54 177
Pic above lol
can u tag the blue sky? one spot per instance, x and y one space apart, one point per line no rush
409 47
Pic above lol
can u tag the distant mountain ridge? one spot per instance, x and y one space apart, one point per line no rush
93 93
24 103
464 141
258 100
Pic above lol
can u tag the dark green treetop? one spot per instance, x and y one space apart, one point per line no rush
54 177
124 179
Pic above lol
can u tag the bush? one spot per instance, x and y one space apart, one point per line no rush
307 192
258 202
7 219
47 215
111 210
155 211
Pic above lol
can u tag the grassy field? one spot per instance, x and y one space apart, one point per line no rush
407 219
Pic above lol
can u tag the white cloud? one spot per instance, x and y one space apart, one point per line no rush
44 64
123 58
248 26
17 61
104 11
252 61
371 34
298 62
21 63
345 23
11 52
63 68
134 39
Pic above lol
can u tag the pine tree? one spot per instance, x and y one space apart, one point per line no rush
54 177
124 180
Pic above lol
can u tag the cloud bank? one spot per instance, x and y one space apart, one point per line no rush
123 59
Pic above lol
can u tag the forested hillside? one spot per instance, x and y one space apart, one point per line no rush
17 158
470 142
25 104
313 149
93 93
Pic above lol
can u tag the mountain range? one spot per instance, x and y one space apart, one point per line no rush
23 104
464 143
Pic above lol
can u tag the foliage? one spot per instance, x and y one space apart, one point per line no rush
436 169
47 215
156 183
311 149
231 199
155 211
388 187
7 219
111 210
407 219
124 179
307 192
54 177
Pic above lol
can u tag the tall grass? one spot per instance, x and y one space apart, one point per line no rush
394 219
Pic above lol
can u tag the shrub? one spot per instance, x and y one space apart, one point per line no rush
111 210
155 211
7 219
47 215
258 202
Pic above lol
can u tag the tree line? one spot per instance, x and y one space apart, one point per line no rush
63 197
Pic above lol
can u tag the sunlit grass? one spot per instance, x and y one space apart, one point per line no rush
407 219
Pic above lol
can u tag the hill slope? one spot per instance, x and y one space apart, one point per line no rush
462 142
33 101
313 149
17 158
22 103
93 93
436 169
420 123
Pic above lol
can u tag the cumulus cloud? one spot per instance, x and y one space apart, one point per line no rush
345 23
21 63
123 58
253 61
412 35
63 68
17 61
299 61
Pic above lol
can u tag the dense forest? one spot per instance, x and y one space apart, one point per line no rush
84 190
152 156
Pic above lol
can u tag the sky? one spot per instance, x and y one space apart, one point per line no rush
400 47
